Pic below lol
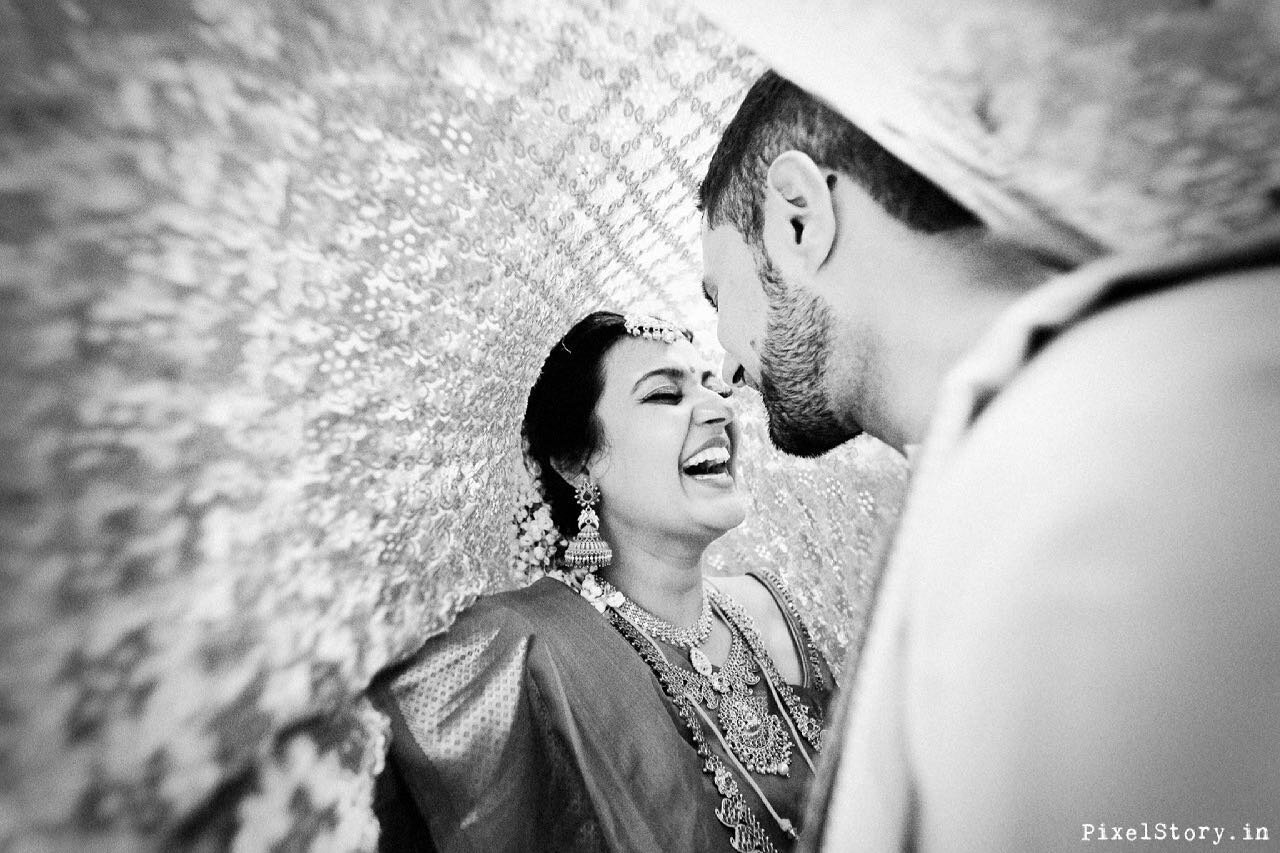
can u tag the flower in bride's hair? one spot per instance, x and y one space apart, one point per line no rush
535 541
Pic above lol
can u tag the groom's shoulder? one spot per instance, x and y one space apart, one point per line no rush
1162 375
1127 431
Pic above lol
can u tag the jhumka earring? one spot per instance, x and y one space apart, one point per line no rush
587 550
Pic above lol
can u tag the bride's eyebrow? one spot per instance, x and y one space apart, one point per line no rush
675 374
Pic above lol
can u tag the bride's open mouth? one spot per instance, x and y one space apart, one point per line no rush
710 464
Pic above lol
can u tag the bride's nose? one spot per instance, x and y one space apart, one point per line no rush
713 409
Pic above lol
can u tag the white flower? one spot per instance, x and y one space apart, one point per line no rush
597 597
593 593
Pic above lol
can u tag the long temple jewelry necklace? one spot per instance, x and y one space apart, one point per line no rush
757 737
747 834
798 713
707 686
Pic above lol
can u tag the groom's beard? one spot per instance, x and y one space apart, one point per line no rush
793 370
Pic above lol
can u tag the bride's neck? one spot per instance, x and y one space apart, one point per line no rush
664 578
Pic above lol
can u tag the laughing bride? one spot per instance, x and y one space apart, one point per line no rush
624 702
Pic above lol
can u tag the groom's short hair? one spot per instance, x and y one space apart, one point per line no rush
778 116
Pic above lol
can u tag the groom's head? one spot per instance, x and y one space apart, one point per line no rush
811 233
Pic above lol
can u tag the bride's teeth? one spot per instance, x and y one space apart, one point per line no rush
711 454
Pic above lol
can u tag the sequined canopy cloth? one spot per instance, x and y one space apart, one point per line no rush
276 279
1077 127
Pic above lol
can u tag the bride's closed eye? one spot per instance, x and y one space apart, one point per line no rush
664 395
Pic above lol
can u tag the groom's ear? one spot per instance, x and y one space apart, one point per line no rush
799 215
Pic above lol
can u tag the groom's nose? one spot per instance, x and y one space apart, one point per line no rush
732 372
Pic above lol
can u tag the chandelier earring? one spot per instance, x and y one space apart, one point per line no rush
586 549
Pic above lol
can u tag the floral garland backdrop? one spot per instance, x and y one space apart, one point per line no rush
276 277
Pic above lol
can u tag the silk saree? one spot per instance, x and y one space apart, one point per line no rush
534 725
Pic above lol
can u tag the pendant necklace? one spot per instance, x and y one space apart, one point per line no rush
756 736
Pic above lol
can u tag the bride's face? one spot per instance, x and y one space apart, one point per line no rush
667 464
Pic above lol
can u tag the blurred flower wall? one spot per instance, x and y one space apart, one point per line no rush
274 280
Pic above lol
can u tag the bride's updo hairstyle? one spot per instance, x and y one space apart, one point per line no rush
559 420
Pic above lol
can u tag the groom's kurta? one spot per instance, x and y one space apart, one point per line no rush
1080 621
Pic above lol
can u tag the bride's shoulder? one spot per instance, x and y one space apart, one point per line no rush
539 604
751 595
754 597
500 625
761 594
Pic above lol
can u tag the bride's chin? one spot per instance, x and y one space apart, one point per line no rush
731 518
712 527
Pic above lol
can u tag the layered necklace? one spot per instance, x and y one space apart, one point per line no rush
758 738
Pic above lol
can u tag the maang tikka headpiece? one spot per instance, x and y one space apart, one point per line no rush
652 328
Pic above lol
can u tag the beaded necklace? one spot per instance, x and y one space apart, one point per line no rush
655 626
